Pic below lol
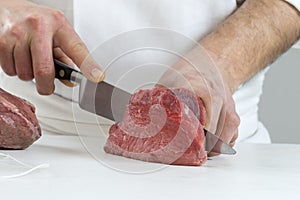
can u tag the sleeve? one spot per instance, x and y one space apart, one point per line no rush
295 3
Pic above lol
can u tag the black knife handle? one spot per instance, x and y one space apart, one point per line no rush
64 71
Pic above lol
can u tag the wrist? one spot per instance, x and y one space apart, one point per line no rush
227 70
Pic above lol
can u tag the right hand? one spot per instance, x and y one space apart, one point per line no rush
32 35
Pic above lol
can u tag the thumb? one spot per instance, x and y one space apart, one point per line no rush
70 43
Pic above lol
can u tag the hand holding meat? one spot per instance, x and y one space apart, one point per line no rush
31 35
197 73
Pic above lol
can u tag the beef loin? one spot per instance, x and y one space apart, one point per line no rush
19 127
161 125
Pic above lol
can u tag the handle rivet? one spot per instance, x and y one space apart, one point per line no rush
61 73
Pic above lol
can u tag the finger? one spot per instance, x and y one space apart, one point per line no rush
213 103
231 143
22 59
212 154
227 130
218 131
228 127
223 124
42 61
234 138
68 40
213 106
6 58
67 83
61 56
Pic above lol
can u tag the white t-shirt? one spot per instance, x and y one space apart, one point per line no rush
112 27
98 22
295 3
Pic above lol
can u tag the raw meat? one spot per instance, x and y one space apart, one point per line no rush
19 127
161 125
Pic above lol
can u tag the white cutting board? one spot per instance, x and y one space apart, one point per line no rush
256 172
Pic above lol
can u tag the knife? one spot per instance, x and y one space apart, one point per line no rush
112 102
215 144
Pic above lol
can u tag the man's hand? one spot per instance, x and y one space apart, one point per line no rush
31 35
198 73
246 42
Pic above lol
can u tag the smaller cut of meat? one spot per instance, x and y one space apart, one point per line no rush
19 127
161 125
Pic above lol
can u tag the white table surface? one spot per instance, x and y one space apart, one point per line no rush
257 172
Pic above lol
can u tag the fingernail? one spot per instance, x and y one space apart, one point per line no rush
97 74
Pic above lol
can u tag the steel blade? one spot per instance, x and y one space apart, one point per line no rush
215 144
103 99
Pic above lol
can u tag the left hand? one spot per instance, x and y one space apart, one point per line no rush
197 72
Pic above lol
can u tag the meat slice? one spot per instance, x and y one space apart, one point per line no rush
19 127
161 125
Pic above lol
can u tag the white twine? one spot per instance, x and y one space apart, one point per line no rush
30 170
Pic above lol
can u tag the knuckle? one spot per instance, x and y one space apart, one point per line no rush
235 119
17 31
43 73
235 136
36 21
78 46
8 71
58 16
44 69
3 45
25 76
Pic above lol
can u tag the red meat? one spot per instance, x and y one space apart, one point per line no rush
161 125
19 127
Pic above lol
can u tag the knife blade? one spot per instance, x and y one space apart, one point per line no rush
215 144
103 99
112 102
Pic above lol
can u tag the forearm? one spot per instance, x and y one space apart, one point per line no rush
251 38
